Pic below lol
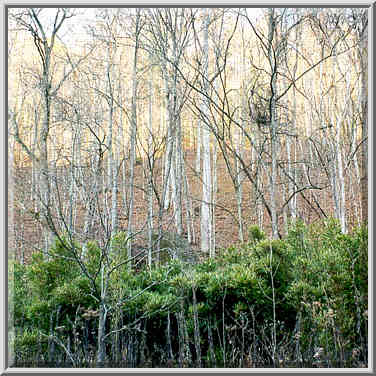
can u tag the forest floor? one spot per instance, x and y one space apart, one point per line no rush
27 230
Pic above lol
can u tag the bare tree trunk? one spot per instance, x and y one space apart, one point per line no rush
184 352
198 146
12 244
170 140
165 201
114 197
196 328
133 131
167 171
292 170
44 40
151 168
363 57
112 175
214 196
75 150
238 172
240 137
191 236
258 188
101 351
206 228
211 345
337 180
95 175
273 123
34 181
45 187
177 186
168 334
338 124
357 179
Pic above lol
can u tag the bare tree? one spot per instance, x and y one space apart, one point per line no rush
206 214
44 38
138 25
168 36
361 24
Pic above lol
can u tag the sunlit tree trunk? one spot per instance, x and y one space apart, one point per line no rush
198 146
214 194
76 160
112 175
206 221
45 46
133 130
241 77
169 140
34 166
336 146
177 183
191 236
238 186
151 167
363 57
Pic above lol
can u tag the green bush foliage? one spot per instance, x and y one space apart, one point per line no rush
255 234
330 280
307 291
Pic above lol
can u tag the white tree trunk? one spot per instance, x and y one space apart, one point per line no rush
206 220
112 175
188 208
198 147
214 197
133 134
273 127
168 172
363 57
151 167
177 184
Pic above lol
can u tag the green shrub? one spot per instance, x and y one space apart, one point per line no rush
329 272
255 234
28 343
319 275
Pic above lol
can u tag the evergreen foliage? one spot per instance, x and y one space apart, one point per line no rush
317 275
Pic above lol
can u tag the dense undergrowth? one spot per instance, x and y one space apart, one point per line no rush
296 302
